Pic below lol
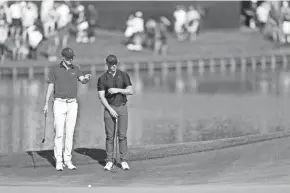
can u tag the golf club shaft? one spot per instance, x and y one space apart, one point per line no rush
116 140
44 133
32 157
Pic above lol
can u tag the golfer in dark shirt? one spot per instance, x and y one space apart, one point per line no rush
113 86
62 83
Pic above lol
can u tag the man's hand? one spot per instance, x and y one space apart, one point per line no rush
113 90
45 108
113 113
85 79
88 76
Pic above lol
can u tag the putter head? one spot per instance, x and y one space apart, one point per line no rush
43 140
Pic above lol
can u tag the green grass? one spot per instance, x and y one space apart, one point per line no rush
209 44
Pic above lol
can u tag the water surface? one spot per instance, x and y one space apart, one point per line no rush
168 107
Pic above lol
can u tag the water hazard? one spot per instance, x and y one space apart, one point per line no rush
168 107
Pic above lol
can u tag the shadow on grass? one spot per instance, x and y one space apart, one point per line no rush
95 154
98 155
48 155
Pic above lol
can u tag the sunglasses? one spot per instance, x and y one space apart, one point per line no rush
115 64
69 59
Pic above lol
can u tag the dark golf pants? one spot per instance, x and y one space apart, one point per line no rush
122 128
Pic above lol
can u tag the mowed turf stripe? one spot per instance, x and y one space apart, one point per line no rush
146 152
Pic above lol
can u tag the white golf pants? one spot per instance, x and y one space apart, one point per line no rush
65 115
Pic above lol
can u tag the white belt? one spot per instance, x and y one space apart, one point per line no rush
66 100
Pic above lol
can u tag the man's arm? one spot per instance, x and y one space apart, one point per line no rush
49 91
104 100
50 87
127 91
128 84
128 87
101 92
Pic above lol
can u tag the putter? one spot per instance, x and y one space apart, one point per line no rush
115 167
44 133
32 157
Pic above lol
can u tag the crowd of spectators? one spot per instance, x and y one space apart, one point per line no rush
272 18
24 25
153 33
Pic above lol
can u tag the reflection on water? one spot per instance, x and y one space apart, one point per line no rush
168 107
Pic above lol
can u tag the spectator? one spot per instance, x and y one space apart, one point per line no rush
53 44
138 36
4 29
161 35
252 14
23 50
64 15
92 16
180 21
82 26
150 30
3 2
136 42
3 15
13 45
138 22
192 23
69 3
263 12
49 16
15 11
30 15
285 13
46 5
63 24
129 27
51 33
202 13
34 39
74 11
272 29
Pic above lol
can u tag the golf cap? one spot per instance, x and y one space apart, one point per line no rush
112 60
67 53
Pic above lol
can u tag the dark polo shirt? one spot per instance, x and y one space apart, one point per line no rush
65 81
120 80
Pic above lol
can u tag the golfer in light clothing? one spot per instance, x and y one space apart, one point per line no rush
62 82
113 86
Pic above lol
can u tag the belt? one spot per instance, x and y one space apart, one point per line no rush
123 104
66 100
